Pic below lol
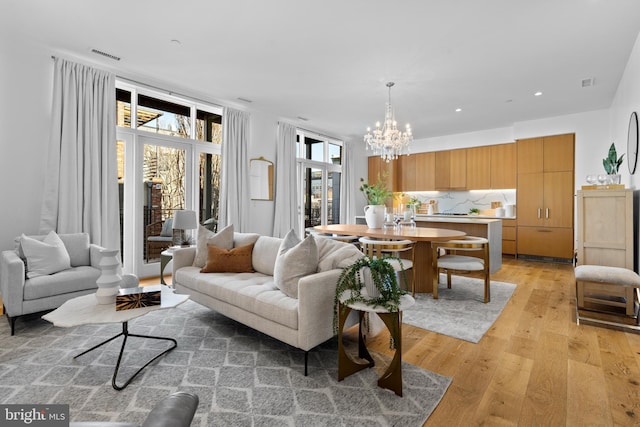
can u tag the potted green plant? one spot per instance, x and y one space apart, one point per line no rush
376 195
612 163
378 277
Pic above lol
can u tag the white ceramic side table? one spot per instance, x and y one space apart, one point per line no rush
86 310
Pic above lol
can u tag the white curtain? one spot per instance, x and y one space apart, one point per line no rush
234 185
81 189
286 193
347 193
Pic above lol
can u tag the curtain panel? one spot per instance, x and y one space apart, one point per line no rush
234 183
347 195
286 191
81 188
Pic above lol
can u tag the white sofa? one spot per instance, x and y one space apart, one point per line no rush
254 300
21 295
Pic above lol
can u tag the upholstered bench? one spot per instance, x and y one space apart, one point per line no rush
607 286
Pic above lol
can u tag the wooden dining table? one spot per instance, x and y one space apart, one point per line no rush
422 265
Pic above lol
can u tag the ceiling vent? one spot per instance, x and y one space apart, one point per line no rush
588 82
108 55
304 119
248 101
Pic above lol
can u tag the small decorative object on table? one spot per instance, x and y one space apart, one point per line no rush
109 280
144 296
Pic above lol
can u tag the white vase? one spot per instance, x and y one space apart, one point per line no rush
374 215
109 280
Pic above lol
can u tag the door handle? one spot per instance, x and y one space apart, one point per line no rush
539 213
546 213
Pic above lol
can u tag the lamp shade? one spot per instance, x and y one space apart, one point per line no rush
185 220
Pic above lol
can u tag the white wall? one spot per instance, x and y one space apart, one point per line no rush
627 100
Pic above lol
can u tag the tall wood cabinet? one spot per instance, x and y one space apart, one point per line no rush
545 188
606 228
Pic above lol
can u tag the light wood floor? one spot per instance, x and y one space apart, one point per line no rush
535 367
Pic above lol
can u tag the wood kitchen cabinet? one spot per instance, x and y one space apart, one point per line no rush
545 188
503 166
451 170
479 166
379 167
425 171
407 172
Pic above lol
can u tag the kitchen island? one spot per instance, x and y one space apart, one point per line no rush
488 227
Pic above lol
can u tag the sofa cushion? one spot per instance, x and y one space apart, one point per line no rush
265 252
222 239
295 259
45 257
244 239
334 254
236 260
253 292
71 280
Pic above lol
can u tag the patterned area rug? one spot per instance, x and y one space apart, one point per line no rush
243 377
459 312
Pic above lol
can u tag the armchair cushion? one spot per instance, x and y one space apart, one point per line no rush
167 228
45 257
77 245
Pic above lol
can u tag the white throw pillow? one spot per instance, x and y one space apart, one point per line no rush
45 257
223 239
296 259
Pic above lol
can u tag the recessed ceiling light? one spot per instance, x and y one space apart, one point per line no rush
537 93
458 110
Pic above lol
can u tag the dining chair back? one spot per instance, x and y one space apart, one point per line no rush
455 256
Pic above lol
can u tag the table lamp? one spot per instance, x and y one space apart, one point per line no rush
183 220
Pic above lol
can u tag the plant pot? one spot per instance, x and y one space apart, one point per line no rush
374 215
369 285
614 178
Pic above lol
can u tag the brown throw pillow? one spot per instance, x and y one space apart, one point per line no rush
236 260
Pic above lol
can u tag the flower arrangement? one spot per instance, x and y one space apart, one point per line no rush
376 194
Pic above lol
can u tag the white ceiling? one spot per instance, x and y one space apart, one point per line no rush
329 60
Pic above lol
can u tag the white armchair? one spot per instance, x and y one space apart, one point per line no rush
22 295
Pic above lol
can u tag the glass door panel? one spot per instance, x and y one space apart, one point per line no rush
333 197
312 196
163 174
209 190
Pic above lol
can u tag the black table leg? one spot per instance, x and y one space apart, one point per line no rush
126 334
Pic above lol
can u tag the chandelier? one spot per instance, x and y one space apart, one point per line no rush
388 142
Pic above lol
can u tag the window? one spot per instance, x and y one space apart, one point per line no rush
320 169
171 153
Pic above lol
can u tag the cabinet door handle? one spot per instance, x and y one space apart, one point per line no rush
546 213
539 212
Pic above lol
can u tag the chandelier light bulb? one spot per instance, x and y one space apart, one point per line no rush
388 142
